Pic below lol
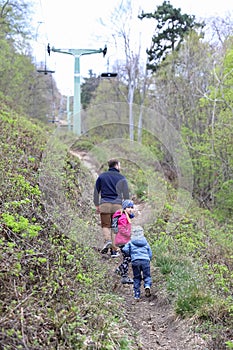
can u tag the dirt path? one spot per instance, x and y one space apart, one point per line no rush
87 162
153 320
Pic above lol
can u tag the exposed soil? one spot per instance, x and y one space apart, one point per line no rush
153 321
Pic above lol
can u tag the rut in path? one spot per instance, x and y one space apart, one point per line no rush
153 319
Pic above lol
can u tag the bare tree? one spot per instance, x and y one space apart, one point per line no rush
131 70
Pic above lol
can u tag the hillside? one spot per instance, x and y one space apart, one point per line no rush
58 292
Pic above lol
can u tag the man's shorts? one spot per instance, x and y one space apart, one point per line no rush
106 212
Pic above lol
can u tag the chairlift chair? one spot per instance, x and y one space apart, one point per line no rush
108 75
45 70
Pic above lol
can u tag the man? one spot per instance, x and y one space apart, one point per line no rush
111 188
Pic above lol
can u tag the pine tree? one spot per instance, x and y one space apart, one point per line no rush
170 30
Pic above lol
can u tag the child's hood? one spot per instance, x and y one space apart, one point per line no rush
139 241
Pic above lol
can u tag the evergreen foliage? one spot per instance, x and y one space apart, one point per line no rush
171 28
87 89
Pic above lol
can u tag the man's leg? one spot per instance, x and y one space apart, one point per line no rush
113 209
106 231
113 240
106 234
106 212
107 240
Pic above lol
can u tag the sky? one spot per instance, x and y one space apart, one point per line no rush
71 25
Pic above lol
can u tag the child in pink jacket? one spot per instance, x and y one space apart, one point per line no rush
123 236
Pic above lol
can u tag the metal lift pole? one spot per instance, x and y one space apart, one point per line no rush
68 111
77 53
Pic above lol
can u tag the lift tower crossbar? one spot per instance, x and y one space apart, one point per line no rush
77 53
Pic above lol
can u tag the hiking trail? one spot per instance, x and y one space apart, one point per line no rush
155 324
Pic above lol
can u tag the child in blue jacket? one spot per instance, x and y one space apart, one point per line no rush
141 254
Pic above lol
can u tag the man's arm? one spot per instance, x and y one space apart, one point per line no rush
125 189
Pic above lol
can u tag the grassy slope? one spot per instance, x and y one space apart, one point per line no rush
52 289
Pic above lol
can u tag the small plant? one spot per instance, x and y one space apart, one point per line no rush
229 344
20 224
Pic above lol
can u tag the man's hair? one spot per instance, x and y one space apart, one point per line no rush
112 163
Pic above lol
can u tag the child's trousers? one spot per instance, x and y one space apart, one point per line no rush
124 266
141 271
